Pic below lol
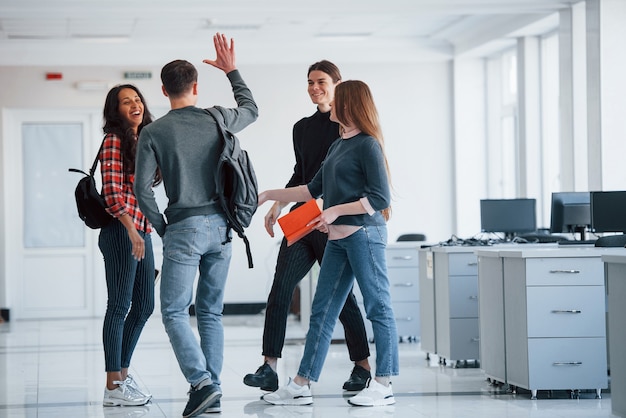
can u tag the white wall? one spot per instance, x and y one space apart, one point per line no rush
414 102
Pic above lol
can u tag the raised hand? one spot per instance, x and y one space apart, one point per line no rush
225 52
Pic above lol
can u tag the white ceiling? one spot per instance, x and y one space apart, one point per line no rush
149 32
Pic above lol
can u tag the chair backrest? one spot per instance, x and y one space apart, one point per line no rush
412 237
611 241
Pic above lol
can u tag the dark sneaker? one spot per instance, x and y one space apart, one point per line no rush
264 378
214 409
201 399
358 379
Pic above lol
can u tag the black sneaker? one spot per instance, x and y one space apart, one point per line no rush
214 409
264 378
201 399
358 379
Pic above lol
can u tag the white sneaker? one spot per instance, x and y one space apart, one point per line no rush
123 395
374 394
292 394
132 383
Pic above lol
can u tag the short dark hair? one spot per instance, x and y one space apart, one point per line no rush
327 67
178 76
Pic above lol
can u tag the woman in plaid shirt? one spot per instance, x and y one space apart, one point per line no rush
125 244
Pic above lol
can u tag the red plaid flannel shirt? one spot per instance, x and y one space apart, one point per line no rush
117 186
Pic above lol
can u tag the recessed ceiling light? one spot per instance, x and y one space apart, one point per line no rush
343 36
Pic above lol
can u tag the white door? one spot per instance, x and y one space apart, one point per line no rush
54 268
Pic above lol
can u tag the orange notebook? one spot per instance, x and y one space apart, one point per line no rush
294 224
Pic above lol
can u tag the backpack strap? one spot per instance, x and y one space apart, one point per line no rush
92 170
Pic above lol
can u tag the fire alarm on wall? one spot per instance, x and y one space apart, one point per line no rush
54 76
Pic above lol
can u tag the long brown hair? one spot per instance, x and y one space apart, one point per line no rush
354 105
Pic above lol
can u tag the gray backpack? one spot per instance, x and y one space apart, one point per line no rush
235 183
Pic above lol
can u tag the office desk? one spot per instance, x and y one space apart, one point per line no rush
491 314
491 308
455 271
615 271
554 318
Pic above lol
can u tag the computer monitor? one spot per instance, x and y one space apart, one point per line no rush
508 216
608 211
570 213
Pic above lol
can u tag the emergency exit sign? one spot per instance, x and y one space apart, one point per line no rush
137 75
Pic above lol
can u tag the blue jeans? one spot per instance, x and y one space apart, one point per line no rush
292 265
360 255
196 244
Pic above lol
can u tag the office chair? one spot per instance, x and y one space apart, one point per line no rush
611 241
411 237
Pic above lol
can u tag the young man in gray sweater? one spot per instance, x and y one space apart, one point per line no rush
185 145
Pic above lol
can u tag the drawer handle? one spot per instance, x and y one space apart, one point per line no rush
565 271
567 363
475 339
475 263
406 318
404 257
407 284
575 311
474 297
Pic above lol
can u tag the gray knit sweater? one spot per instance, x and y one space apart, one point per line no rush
185 144
354 168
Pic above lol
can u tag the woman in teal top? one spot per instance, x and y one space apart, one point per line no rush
354 183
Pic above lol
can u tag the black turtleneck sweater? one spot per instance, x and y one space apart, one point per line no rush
312 137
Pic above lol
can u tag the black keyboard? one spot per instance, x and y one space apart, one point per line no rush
584 242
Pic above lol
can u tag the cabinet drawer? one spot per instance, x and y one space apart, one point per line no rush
566 311
463 265
464 339
403 287
402 257
564 271
567 363
403 284
407 316
464 297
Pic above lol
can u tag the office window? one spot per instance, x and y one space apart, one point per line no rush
550 143
502 169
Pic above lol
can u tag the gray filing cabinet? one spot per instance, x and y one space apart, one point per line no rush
554 312
403 272
456 303
491 314
615 270
428 339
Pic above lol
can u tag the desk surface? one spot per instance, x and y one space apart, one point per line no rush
615 258
550 252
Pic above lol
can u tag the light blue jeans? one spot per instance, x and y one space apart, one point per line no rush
196 244
360 255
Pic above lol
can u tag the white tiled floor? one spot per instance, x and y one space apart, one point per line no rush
55 368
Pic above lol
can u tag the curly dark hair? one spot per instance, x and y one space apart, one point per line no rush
115 124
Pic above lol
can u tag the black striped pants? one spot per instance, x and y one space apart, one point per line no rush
130 291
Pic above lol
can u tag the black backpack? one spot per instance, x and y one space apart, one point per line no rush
235 183
89 202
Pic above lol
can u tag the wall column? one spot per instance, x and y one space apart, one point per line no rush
606 94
